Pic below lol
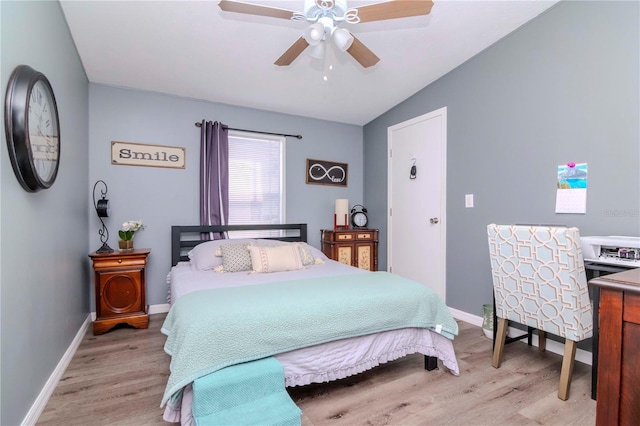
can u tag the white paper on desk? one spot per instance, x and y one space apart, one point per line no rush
571 195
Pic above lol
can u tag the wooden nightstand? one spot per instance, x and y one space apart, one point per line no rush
120 289
355 247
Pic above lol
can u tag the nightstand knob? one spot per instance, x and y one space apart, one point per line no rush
119 260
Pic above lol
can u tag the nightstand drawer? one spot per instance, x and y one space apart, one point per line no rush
118 262
344 237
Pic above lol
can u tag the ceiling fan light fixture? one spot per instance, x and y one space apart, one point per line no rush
324 17
317 51
314 34
343 39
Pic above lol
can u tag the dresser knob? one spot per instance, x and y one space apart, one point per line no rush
119 260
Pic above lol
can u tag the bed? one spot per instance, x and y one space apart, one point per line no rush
340 320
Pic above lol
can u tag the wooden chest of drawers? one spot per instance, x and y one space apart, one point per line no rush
120 289
618 401
355 247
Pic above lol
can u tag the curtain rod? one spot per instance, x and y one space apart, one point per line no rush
255 131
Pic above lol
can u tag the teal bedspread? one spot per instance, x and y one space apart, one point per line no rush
211 329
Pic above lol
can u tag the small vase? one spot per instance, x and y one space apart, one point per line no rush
487 322
125 245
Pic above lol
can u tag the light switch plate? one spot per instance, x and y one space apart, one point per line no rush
468 201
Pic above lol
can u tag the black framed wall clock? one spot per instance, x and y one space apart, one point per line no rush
32 128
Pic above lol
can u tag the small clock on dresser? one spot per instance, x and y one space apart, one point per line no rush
359 217
32 128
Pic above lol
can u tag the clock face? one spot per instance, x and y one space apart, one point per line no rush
43 131
359 219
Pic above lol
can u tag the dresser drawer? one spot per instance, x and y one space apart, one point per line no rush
364 235
343 237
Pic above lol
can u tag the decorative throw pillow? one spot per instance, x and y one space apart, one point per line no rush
306 256
275 259
235 257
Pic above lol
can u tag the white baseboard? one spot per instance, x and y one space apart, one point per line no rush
41 401
466 317
159 309
552 346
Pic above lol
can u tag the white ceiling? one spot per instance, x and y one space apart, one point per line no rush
192 49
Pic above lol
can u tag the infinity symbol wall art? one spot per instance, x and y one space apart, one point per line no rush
326 172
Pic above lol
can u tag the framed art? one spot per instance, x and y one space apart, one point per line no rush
323 172
137 154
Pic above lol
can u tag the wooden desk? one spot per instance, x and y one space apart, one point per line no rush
618 380
596 270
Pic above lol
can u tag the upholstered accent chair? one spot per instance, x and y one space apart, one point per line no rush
539 281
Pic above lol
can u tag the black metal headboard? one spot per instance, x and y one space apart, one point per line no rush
184 238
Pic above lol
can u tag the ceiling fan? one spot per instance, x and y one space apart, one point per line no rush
325 16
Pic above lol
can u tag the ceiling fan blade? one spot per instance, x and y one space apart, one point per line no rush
362 54
393 9
254 9
292 52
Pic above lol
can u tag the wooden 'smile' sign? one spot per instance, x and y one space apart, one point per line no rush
137 154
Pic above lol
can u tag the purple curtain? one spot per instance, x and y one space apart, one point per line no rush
214 175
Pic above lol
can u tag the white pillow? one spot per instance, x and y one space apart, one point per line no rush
306 255
203 256
275 259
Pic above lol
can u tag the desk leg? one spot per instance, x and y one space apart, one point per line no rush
495 321
595 341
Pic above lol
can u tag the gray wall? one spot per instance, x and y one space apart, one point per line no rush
44 293
562 88
164 197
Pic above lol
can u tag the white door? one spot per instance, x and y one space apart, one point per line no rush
417 208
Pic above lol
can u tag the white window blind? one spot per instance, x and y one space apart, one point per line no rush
256 178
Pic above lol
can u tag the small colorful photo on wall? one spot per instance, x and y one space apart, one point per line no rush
322 172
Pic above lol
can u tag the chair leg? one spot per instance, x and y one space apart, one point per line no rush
498 348
567 369
542 340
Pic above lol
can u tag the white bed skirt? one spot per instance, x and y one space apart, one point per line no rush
343 358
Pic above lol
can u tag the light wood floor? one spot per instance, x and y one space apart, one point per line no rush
119 378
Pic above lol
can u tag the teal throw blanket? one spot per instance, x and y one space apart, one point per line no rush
211 329
251 393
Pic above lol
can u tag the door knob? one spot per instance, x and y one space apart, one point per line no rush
433 220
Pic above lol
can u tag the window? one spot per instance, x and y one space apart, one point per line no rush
256 178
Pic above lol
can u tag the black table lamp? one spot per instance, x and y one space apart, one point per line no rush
102 210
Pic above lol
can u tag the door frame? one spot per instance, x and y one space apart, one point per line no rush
443 199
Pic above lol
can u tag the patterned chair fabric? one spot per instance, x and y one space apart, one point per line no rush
539 279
